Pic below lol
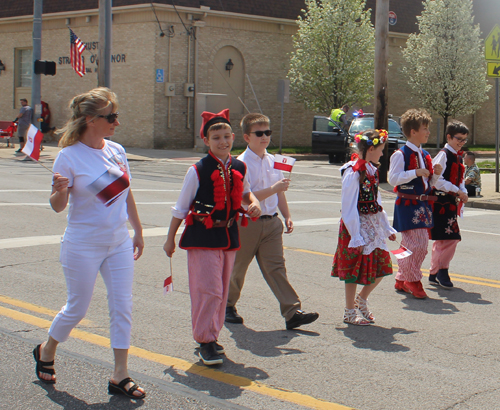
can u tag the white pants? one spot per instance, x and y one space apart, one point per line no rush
81 263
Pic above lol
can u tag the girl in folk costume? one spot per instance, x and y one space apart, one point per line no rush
210 199
451 195
412 174
362 256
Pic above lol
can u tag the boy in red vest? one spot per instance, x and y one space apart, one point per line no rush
412 174
451 195
210 199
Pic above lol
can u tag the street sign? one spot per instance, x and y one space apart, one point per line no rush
492 44
160 76
494 69
393 18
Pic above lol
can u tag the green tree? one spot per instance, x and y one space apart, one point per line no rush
333 59
445 63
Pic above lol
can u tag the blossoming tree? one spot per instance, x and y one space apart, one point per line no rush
445 63
333 58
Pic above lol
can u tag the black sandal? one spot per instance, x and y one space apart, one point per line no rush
120 389
40 366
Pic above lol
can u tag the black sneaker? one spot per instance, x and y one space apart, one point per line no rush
232 315
219 348
209 355
444 278
18 150
301 318
433 280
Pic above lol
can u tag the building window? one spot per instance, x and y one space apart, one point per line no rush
24 67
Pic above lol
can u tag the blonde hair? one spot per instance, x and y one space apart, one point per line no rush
251 119
89 104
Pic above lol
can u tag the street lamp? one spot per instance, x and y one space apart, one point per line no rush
229 66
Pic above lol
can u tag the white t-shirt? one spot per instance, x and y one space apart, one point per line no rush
99 182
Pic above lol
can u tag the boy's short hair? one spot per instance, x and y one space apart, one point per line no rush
218 126
251 119
413 119
456 127
470 154
24 99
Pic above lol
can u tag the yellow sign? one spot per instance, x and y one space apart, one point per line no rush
492 44
494 69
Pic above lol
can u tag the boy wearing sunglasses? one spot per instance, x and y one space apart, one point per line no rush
451 195
263 238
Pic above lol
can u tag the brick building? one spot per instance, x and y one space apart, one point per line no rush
188 44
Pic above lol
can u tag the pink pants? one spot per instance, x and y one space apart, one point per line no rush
209 275
416 240
442 254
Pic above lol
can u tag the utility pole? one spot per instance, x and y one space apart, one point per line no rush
381 94
36 80
104 62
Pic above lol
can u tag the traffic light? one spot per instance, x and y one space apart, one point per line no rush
45 67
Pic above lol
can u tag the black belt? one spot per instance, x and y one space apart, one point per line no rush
268 216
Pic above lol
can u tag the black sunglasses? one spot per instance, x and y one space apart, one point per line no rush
261 133
110 117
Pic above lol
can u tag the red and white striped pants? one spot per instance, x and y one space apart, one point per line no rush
416 240
442 254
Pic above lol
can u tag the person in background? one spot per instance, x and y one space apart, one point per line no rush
339 115
472 175
23 122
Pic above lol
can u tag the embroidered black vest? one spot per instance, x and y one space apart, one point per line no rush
368 194
218 199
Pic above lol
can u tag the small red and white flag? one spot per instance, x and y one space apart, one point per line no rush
283 163
168 286
110 185
33 141
401 253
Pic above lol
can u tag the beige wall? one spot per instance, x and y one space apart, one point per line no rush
259 49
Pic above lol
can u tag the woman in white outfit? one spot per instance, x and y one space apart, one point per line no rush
91 173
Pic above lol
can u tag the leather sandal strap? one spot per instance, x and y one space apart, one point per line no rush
124 382
42 369
51 363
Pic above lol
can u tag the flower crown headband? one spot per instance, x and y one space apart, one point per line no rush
375 141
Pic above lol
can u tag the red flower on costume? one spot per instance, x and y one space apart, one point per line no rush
413 161
428 164
237 191
219 189
454 174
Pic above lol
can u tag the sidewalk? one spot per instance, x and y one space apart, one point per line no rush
489 199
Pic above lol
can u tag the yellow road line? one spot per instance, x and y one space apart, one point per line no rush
456 277
35 308
179 364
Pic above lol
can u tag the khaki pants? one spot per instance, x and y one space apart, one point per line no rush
264 240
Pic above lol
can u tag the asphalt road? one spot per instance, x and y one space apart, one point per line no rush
439 353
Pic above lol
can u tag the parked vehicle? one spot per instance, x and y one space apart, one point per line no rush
328 137
396 138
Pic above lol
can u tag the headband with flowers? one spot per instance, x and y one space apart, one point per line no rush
382 137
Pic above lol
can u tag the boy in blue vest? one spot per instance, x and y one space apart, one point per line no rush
210 199
412 174
451 194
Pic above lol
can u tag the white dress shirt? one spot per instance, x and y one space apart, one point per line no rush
190 187
397 173
441 183
261 175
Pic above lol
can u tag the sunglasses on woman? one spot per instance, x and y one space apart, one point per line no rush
110 117
261 133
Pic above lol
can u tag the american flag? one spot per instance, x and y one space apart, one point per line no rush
76 50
